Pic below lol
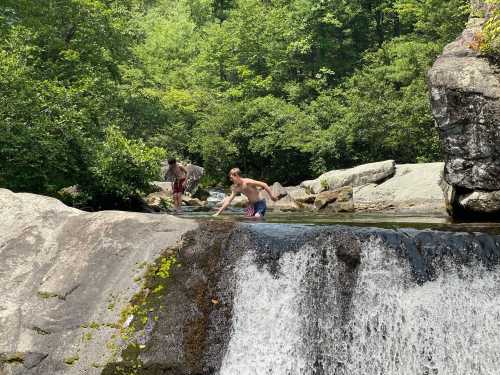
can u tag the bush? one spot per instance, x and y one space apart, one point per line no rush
123 168
490 37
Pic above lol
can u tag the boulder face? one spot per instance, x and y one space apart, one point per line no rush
465 97
338 200
66 277
357 176
416 188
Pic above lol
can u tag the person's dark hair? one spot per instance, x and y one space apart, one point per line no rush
235 172
172 161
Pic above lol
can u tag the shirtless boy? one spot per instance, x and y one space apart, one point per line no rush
256 206
179 174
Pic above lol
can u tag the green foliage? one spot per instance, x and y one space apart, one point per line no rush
90 89
490 43
124 167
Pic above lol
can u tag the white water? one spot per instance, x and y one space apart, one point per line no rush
313 317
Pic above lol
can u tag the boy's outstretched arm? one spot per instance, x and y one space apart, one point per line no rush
226 203
264 186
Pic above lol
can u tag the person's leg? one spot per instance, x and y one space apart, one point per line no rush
178 203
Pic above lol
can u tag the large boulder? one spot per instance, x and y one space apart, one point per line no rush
194 175
481 201
357 176
465 97
414 188
66 278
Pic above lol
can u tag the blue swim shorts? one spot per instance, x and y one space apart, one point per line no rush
258 207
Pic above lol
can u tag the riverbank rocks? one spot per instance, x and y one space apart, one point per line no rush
481 201
465 97
357 176
300 195
414 188
67 276
338 200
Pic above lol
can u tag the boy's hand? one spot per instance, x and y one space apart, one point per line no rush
274 198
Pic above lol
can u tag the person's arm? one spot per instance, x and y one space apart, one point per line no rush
182 168
226 203
264 186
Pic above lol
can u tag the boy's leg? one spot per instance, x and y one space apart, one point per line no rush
179 202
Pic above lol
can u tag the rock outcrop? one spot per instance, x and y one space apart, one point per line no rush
66 277
415 188
194 175
357 176
465 94
338 200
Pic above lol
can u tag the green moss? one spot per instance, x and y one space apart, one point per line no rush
46 295
70 361
87 336
12 358
142 307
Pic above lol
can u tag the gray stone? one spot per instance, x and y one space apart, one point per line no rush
413 188
481 201
64 271
278 190
285 203
357 176
299 195
339 200
194 175
195 202
163 186
465 96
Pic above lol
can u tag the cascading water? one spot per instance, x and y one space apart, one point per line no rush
359 302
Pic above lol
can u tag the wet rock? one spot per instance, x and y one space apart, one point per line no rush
348 249
190 201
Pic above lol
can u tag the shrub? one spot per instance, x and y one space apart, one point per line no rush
123 168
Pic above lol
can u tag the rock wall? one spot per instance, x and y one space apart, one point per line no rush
465 96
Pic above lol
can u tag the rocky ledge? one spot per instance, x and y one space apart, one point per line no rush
67 277
465 92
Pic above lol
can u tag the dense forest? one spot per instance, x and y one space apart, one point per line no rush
97 92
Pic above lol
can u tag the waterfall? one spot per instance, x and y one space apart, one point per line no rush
300 308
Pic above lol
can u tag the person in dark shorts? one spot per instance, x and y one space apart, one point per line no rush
179 174
256 207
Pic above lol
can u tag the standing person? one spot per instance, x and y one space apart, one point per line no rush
256 206
179 174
